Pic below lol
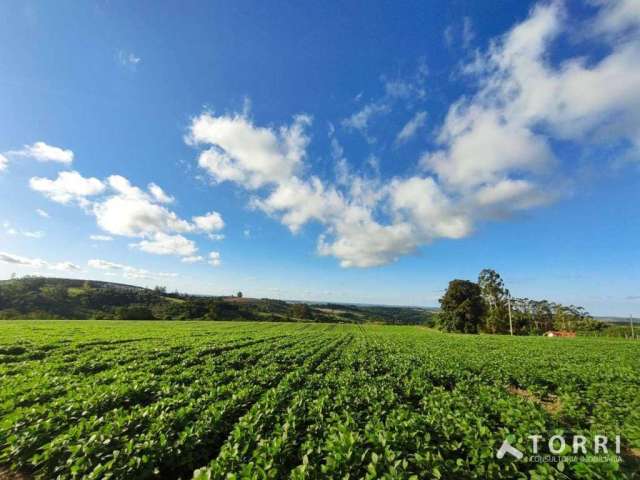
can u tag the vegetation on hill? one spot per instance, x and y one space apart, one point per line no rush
55 298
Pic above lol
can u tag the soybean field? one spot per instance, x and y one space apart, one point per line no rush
210 400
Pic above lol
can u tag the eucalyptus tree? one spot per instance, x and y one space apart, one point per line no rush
495 296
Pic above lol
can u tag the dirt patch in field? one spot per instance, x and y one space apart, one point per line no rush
551 403
6 474
631 460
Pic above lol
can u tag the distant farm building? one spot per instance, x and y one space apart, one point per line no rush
559 333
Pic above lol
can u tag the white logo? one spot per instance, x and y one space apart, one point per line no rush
507 448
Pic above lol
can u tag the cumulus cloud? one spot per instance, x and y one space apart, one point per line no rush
210 222
38 263
4 162
485 150
431 213
496 146
120 208
411 127
244 153
69 186
44 153
42 213
352 232
512 194
127 271
164 244
576 100
131 212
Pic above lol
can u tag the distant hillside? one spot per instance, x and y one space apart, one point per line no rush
75 283
616 320
62 298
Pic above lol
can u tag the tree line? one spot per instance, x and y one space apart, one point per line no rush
487 306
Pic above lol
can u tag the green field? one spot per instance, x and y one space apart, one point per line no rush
116 399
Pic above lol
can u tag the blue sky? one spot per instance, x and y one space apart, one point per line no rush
365 152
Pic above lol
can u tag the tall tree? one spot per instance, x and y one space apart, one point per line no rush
495 296
462 307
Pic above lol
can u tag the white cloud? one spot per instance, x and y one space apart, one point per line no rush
42 213
493 139
486 149
133 214
164 244
360 120
617 16
411 127
301 201
26 233
159 194
214 259
577 100
361 242
126 270
192 259
69 185
37 263
405 89
4 162
247 154
44 153
24 261
510 195
210 222
429 210
100 238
